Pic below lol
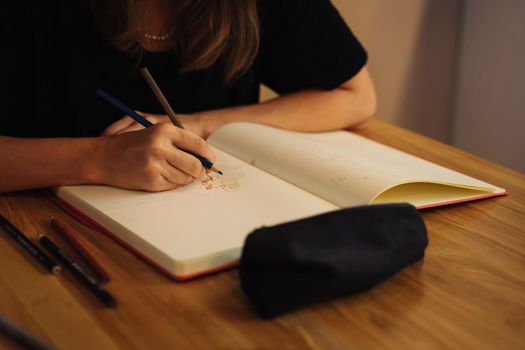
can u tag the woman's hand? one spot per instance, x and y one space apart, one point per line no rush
192 123
150 159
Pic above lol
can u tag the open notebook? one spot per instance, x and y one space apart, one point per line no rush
270 176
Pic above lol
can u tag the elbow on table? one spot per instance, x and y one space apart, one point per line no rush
363 111
368 110
362 103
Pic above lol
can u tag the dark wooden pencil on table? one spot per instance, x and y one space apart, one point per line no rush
68 234
79 273
33 251
22 336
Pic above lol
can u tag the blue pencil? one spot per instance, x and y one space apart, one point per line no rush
137 117
146 123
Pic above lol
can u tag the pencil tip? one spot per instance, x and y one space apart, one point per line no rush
220 172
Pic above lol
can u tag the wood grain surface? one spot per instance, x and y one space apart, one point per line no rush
468 292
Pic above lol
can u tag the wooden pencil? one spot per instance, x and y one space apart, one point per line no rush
167 108
68 234
160 97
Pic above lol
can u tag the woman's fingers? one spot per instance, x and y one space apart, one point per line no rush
133 127
190 142
183 142
120 124
177 176
153 159
183 161
127 124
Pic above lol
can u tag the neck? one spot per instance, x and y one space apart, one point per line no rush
156 27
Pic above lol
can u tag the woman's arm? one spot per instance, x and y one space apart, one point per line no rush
148 159
348 106
33 163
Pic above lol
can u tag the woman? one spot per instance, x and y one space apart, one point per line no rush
208 56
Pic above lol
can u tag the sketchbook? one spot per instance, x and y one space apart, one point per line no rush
271 176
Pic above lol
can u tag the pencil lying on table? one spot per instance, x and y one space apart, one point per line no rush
87 281
146 123
22 336
68 234
35 252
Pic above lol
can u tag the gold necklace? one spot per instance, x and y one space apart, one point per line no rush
157 37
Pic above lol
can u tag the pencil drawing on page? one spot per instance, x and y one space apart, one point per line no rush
219 182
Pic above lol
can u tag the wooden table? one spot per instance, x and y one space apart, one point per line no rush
468 292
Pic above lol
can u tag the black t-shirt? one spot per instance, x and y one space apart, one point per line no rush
54 59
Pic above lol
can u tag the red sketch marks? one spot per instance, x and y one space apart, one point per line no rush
219 182
207 184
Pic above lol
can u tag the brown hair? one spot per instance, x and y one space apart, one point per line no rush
204 31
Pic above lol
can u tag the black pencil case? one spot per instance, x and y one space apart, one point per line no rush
288 266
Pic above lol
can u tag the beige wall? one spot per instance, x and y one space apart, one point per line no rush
490 109
412 47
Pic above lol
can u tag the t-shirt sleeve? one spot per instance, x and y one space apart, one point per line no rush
306 44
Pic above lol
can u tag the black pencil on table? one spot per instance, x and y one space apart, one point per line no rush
21 336
29 246
89 282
